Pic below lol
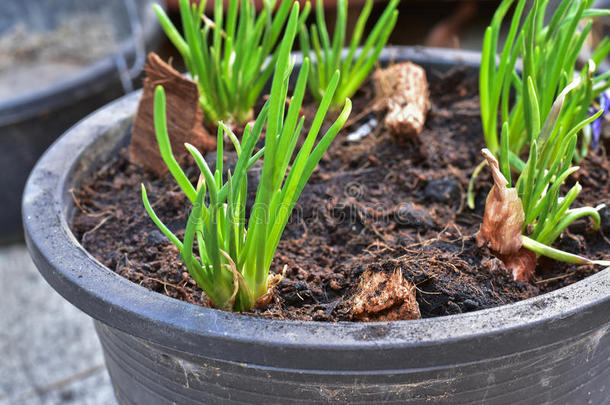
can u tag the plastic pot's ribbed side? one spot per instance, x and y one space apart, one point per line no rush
551 349
572 372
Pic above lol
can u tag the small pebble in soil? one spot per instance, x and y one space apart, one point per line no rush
445 190
155 237
414 217
470 304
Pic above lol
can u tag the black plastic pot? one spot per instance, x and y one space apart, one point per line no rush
552 349
30 122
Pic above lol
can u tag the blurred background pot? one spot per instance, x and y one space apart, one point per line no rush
61 59
551 349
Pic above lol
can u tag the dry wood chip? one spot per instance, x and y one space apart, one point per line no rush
402 89
184 118
384 295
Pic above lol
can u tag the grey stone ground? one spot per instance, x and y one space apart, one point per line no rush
50 353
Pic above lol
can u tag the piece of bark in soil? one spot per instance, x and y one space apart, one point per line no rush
184 118
402 89
384 295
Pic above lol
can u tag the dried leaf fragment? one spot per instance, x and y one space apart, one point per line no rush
384 295
184 118
402 89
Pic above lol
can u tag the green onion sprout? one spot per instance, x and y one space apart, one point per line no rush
234 254
326 53
232 56
545 214
547 46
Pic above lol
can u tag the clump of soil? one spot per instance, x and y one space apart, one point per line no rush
372 205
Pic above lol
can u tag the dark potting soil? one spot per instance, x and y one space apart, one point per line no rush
375 203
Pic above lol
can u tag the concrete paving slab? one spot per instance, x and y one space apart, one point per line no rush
50 353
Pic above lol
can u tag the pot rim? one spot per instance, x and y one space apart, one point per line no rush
546 320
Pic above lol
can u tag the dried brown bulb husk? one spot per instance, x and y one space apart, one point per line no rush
503 224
